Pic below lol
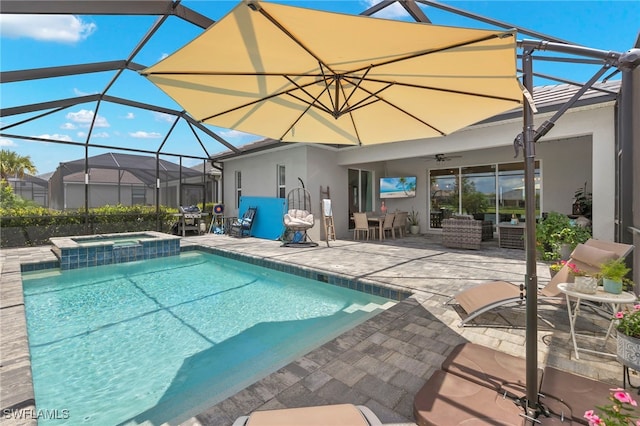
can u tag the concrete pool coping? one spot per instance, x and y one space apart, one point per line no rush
380 363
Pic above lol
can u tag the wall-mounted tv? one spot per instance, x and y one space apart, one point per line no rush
398 187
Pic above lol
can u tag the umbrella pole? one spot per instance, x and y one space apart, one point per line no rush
531 279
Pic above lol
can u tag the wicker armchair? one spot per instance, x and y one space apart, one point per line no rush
462 232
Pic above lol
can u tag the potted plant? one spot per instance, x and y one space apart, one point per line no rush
414 222
621 412
554 231
582 282
568 238
612 273
628 337
554 268
582 202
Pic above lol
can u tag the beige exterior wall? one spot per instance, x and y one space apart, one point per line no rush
579 149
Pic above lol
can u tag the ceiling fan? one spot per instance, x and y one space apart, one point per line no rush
441 158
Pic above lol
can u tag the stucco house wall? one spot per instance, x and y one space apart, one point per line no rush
579 149
314 164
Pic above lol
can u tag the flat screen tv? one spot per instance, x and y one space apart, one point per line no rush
398 187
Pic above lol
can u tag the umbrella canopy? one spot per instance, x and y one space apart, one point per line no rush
302 75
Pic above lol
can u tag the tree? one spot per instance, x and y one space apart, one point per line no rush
14 165
473 201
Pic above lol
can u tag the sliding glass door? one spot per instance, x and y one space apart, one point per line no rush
511 191
488 192
360 192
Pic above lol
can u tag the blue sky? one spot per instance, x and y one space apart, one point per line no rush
42 41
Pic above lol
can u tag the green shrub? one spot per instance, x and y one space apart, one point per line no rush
32 225
555 230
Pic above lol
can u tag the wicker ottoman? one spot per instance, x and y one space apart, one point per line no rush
463 233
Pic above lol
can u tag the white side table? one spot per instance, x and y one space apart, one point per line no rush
615 300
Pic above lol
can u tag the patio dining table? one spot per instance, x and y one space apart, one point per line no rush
379 220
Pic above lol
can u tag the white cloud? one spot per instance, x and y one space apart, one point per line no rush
101 135
234 134
84 117
145 135
129 116
164 55
161 116
393 11
79 92
55 28
7 142
56 137
81 134
68 126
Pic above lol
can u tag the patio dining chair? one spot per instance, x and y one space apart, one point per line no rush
400 223
362 226
387 226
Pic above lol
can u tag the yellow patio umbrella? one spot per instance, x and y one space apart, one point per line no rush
302 75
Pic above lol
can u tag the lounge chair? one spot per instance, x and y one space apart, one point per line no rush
488 296
325 415
479 385
242 227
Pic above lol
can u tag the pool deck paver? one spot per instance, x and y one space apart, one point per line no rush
380 363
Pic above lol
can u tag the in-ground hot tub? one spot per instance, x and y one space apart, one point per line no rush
105 249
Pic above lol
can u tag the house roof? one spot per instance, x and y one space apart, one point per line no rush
546 98
141 166
29 178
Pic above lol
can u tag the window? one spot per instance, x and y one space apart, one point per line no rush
489 192
138 195
238 188
281 191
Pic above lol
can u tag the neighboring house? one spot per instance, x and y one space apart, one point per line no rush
580 148
124 179
34 188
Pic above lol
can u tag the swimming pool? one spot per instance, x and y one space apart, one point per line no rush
160 340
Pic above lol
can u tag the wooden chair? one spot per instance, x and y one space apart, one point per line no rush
400 223
362 225
387 225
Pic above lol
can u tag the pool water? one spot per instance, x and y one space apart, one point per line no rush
161 340
113 238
